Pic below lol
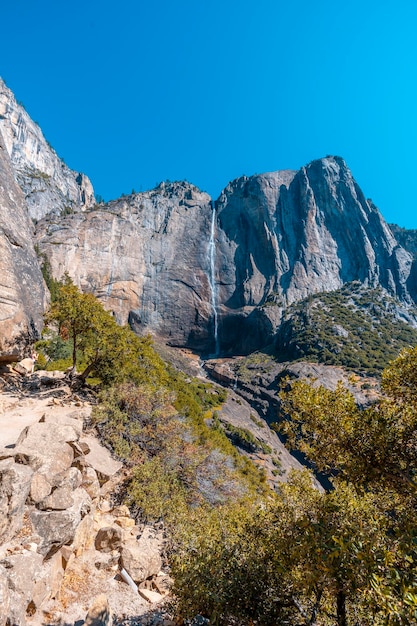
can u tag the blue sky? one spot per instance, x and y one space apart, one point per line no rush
135 92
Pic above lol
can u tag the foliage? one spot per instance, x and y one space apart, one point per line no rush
307 557
177 461
150 415
46 269
243 438
99 345
355 327
290 561
374 449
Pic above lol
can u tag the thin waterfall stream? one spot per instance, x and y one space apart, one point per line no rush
212 278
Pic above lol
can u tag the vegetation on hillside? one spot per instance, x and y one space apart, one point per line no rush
151 416
240 553
355 327
304 557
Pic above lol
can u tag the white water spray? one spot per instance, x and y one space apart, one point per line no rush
212 259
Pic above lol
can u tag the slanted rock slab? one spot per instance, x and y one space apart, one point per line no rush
4 597
100 459
46 446
57 528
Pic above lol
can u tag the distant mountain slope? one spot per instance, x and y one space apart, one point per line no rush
217 277
356 327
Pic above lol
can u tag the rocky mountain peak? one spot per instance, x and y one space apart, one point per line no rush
48 184
165 262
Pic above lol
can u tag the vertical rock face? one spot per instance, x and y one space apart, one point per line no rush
163 262
312 231
146 257
48 184
286 235
278 237
22 290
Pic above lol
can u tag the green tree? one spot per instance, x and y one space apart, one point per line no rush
99 345
374 450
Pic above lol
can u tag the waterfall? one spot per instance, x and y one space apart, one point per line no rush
212 280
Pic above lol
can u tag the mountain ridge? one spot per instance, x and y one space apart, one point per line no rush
214 276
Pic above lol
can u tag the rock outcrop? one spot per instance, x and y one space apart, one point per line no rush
286 235
22 289
61 543
48 184
215 277
159 260
146 257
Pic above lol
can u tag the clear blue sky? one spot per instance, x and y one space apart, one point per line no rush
134 92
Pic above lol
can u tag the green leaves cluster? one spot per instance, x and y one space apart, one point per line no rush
373 452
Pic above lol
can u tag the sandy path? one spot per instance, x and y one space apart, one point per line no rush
17 413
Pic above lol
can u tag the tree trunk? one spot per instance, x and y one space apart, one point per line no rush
74 352
341 608
83 376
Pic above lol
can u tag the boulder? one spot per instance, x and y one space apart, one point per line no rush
100 459
4 597
59 500
142 559
22 572
73 421
83 538
99 613
57 528
108 539
15 482
151 596
71 478
45 446
90 482
40 487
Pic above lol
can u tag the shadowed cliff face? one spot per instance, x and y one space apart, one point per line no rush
278 238
22 290
287 235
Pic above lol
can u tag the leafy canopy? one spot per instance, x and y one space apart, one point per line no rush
100 347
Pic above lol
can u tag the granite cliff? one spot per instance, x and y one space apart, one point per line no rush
220 281
48 184
23 295
145 256
214 276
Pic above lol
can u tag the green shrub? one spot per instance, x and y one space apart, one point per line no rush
353 326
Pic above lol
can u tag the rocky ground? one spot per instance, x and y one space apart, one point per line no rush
63 539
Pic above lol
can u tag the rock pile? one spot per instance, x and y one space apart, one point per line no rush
62 541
